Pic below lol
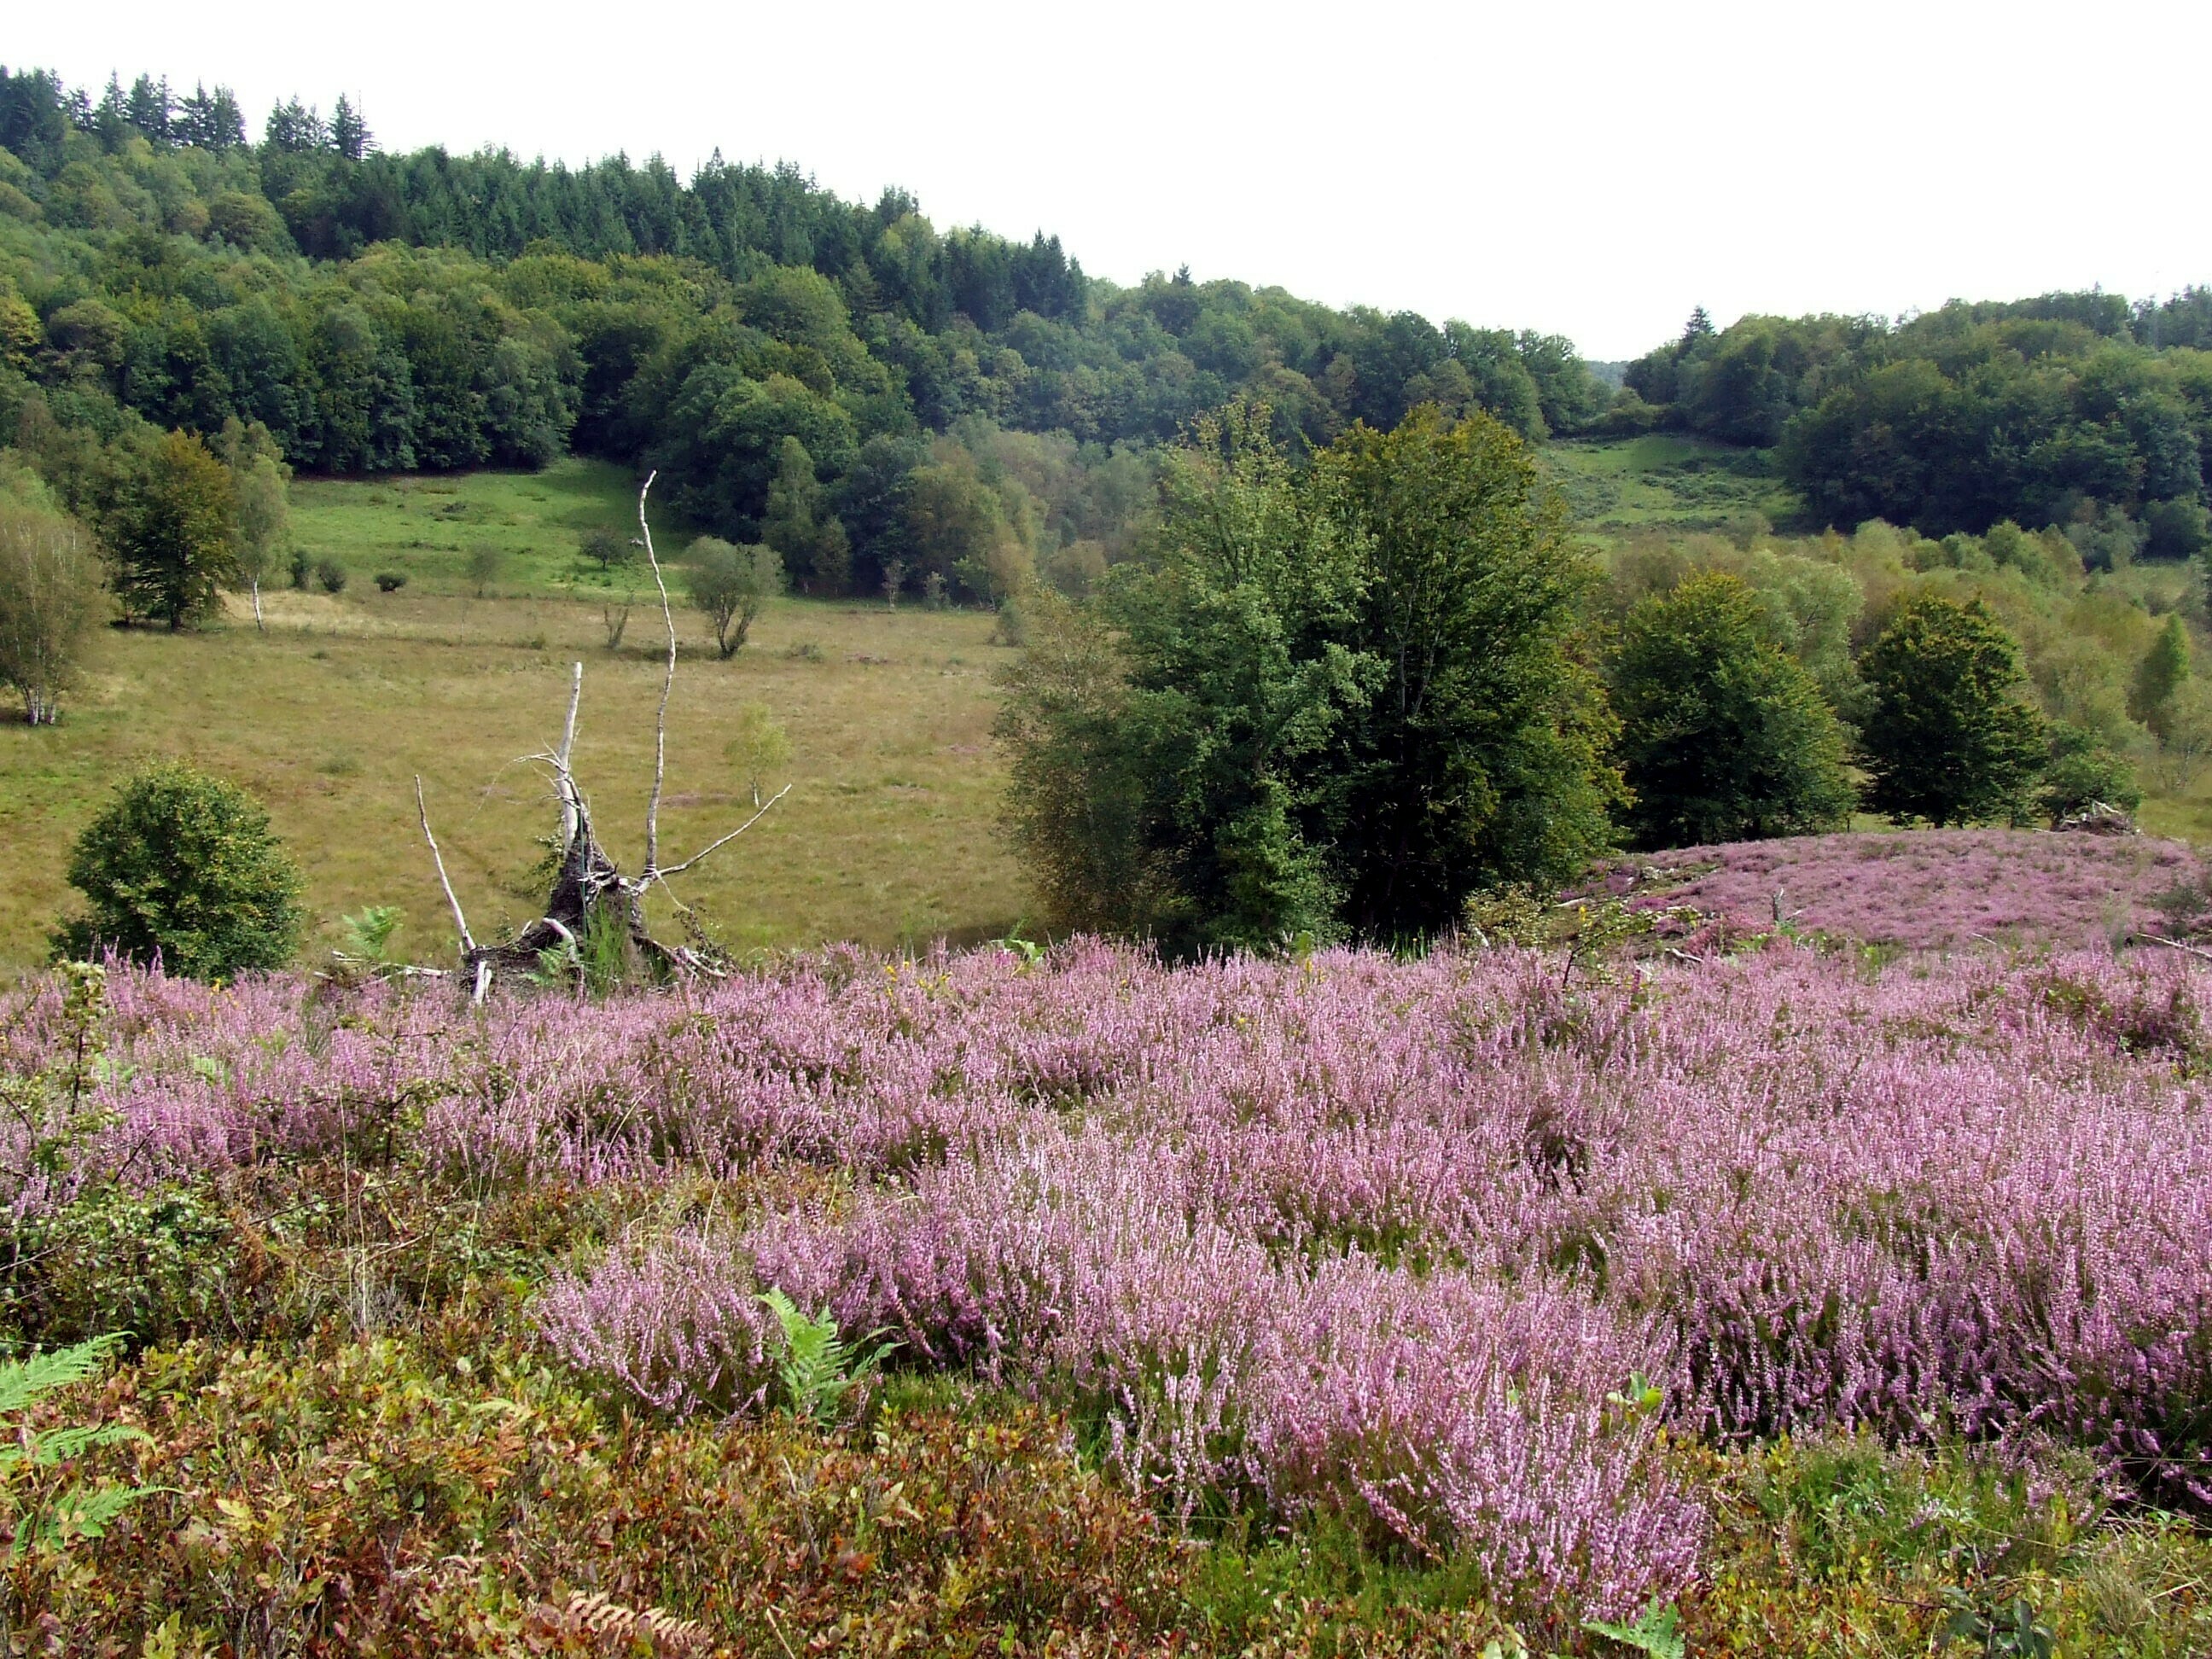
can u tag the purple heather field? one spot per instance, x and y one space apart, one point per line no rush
1926 890
1443 1247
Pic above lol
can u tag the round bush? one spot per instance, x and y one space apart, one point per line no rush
182 865
390 581
331 575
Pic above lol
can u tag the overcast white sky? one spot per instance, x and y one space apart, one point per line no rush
1594 169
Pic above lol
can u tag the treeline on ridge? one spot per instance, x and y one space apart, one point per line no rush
874 396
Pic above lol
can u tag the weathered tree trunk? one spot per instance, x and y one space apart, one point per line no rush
589 891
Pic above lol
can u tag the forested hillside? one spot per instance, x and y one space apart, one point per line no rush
2078 410
872 394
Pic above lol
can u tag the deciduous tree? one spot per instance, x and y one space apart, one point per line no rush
260 480
1724 736
51 596
1478 757
605 547
1947 738
2163 668
729 585
175 540
182 865
805 537
1327 705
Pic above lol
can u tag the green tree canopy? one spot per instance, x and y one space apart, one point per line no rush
1477 758
2163 668
1238 678
1724 736
182 865
729 585
51 595
2080 773
807 538
605 545
175 539
1334 704
1946 737
258 481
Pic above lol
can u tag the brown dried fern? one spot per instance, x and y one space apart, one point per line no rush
602 1617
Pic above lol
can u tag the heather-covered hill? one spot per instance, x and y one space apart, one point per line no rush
1934 889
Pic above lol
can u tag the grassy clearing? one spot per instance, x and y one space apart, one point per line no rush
424 526
884 836
1619 486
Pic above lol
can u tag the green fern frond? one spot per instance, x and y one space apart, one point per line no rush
23 1381
1658 1632
59 1445
819 1368
84 1513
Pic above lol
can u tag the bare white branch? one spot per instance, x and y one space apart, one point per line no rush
667 684
460 922
677 870
568 806
2176 944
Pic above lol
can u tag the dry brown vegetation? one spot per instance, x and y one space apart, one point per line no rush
885 838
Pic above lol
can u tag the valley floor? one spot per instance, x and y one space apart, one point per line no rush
885 838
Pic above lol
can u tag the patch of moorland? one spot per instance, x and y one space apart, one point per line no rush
1932 889
1821 1302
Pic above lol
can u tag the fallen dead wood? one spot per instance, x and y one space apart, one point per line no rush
591 906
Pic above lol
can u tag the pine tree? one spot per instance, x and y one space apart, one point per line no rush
226 121
211 120
349 134
110 120
293 129
152 110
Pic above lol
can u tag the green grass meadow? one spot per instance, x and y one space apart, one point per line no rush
1618 487
424 526
885 838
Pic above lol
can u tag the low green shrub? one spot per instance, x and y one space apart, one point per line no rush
182 867
157 1264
